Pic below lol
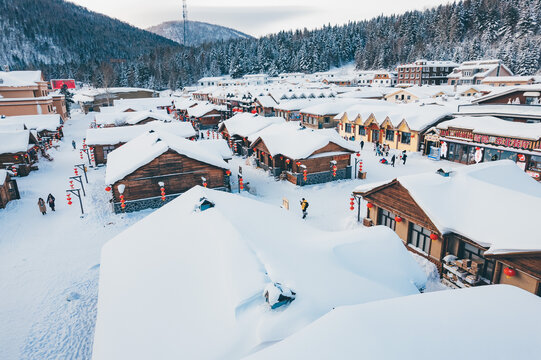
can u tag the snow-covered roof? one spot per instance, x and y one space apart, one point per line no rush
329 107
123 134
267 101
503 110
203 109
418 117
297 104
183 103
49 122
148 146
20 78
188 284
500 91
397 328
217 146
516 78
246 124
130 118
489 125
484 193
144 103
292 140
14 141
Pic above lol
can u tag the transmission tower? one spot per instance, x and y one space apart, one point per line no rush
185 19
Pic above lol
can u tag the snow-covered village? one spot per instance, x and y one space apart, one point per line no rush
216 180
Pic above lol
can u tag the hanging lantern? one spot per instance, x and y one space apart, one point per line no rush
352 204
228 172
370 205
108 188
14 170
81 154
358 154
76 171
71 184
162 190
298 163
434 236
398 219
361 166
334 171
305 174
241 185
68 197
254 111
288 161
509 273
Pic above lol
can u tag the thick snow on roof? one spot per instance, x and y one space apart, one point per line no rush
50 122
20 78
148 146
329 107
130 118
297 104
183 103
188 284
144 103
524 111
267 101
217 146
475 200
123 134
417 116
203 109
10 126
411 328
490 125
245 124
291 140
14 141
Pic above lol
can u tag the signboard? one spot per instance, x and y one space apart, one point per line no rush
285 203
434 153
58 84
488 139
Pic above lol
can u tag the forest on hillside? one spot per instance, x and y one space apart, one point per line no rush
465 30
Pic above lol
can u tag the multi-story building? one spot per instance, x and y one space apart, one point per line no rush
423 72
474 72
384 78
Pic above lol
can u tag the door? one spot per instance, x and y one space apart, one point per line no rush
375 135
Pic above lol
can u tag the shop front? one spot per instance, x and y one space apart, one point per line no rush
463 146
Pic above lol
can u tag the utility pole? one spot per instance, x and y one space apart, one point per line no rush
184 20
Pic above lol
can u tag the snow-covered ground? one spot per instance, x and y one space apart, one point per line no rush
49 264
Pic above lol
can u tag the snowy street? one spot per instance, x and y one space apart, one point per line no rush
47 259
49 267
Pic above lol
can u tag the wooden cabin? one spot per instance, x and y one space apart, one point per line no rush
104 140
130 118
141 168
472 243
18 151
47 127
206 116
8 189
303 156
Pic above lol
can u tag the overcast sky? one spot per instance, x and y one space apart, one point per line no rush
253 17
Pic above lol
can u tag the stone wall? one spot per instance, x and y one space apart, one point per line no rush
323 177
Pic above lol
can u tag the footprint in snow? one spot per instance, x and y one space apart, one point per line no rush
73 296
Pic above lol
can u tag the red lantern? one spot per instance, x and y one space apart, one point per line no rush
108 188
254 111
434 236
305 175
241 185
509 272
298 163
205 184
228 172
370 205
358 154
397 219
288 161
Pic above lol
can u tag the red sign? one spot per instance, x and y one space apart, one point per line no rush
58 84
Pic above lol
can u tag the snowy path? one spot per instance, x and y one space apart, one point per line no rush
43 259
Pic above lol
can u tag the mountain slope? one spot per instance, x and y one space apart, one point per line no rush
59 32
198 32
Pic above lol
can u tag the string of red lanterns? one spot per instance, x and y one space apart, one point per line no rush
334 170
14 170
68 197
352 204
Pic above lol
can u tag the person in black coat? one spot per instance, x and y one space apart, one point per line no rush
393 160
404 157
362 144
50 201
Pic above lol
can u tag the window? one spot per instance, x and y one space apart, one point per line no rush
406 138
362 131
348 128
467 251
419 238
407 76
386 218
535 163
396 97
106 150
409 96
389 135
327 120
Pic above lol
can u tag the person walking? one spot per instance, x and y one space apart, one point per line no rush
50 201
304 207
42 207
362 144
404 157
393 159
73 144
